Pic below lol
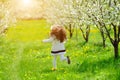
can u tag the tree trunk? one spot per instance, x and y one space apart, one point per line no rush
103 36
71 34
70 31
87 33
86 39
116 53
103 39
104 45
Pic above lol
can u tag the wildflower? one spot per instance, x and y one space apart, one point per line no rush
58 78
65 72
62 68
54 69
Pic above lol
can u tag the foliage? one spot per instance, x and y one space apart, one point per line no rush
30 59
6 18
106 15
61 13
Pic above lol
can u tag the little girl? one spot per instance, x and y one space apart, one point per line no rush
57 38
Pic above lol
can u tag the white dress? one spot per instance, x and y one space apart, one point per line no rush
57 46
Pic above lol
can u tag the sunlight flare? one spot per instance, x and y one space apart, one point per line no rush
27 2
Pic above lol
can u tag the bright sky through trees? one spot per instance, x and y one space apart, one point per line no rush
27 9
27 3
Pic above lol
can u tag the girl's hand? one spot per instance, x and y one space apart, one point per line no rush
43 40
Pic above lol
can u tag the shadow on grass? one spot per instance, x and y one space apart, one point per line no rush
99 44
47 70
81 44
87 66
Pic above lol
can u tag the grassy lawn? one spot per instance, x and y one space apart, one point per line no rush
23 56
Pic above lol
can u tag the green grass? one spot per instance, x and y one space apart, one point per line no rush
28 30
24 57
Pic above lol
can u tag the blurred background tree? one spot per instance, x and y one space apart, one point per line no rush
6 16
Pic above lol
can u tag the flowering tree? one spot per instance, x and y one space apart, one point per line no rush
68 14
86 12
106 15
60 12
5 17
82 22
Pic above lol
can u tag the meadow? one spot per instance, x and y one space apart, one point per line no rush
23 56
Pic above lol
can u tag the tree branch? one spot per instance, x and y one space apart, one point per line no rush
3 30
87 30
109 3
93 21
72 27
83 33
115 2
103 25
108 33
119 32
115 32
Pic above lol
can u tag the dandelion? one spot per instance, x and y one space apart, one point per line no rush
1 57
31 50
48 49
65 72
25 74
35 51
58 78
62 68
54 69
1 72
48 57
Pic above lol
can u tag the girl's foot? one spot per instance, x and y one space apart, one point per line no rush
68 59
54 69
